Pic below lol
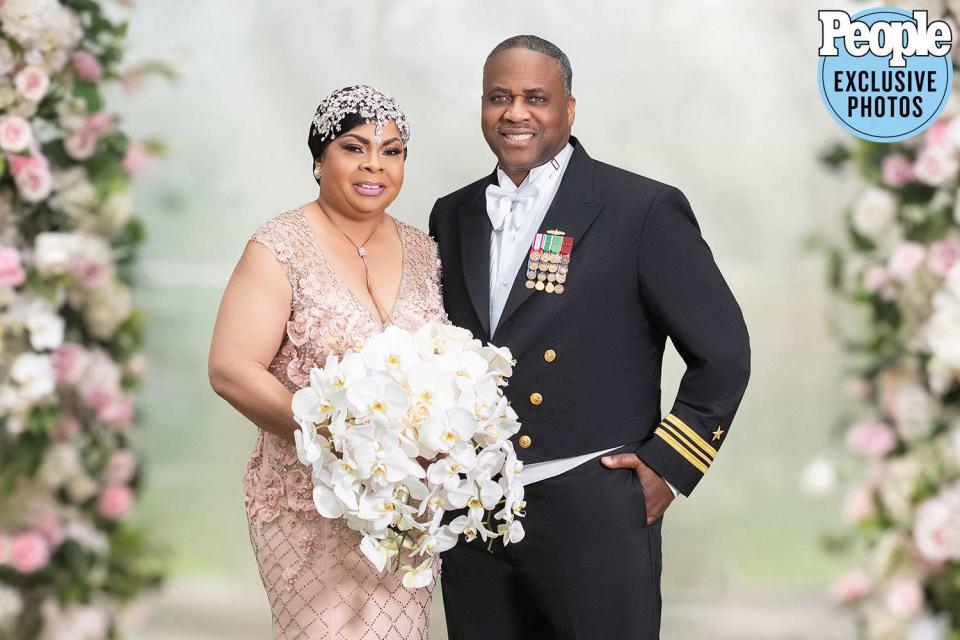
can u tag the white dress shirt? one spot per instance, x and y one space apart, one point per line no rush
516 213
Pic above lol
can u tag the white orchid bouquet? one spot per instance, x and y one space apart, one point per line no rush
404 427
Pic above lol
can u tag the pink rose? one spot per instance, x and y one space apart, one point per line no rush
299 489
904 598
15 134
268 494
82 144
118 414
941 256
69 362
29 552
32 175
32 83
120 467
938 134
935 165
111 405
87 66
100 123
115 501
871 440
905 260
850 587
858 505
136 159
11 271
897 170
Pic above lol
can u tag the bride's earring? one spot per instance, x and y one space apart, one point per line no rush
317 172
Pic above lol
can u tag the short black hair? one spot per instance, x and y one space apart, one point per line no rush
547 48
318 144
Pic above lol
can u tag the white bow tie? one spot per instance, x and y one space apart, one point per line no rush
504 205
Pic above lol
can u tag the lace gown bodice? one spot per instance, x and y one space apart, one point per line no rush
320 586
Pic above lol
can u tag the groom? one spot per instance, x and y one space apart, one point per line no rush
583 270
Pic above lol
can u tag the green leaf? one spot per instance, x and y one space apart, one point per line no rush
834 156
90 94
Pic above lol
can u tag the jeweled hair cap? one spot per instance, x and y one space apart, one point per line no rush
372 105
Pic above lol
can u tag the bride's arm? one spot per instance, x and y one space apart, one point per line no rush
248 332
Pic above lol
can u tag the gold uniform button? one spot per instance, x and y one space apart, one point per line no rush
525 442
549 355
535 398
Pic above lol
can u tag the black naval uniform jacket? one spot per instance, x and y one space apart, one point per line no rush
588 360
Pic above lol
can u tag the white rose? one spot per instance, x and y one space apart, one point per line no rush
82 487
905 259
904 598
936 165
53 251
34 373
24 20
106 309
60 464
74 194
937 526
912 411
46 329
874 213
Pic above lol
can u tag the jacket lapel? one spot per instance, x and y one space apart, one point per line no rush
475 230
572 211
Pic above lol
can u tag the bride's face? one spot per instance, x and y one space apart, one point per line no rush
361 175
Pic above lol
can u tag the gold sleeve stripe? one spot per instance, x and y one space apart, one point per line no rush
680 424
666 426
680 449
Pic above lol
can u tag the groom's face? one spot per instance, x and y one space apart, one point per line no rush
526 118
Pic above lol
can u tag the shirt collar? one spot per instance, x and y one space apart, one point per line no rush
540 174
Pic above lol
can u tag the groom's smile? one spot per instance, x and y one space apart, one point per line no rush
527 113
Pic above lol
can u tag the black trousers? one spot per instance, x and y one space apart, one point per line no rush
588 569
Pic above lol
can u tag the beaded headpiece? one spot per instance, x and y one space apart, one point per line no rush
372 105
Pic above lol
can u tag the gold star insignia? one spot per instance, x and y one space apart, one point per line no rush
719 432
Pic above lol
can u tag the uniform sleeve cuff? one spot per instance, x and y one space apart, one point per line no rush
677 453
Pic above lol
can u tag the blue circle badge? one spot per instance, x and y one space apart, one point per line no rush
885 74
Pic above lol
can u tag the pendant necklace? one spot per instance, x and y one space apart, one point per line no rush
362 252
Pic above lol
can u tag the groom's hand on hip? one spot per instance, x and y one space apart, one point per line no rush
657 494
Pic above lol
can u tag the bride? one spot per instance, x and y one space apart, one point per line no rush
313 281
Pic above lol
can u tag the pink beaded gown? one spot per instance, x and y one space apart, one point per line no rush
318 582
